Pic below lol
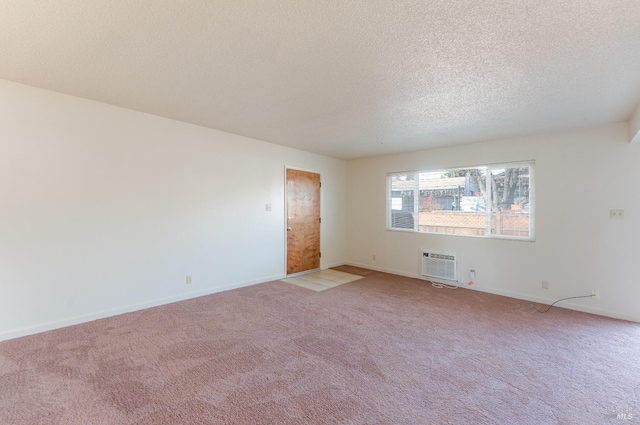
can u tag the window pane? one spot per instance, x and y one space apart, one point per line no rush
453 202
402 200
487 201
510 208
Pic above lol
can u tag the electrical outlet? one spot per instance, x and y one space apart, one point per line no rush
373 257
472 274
545 284
616 214
188 280
595 295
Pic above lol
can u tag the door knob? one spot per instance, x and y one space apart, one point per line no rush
289 229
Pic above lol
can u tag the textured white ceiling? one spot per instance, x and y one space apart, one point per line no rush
344 78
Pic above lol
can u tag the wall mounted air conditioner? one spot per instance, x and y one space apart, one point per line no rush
439 265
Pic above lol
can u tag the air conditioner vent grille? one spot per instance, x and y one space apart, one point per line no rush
439 265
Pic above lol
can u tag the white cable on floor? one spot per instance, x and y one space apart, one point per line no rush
443 285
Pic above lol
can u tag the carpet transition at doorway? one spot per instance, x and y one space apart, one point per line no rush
322 280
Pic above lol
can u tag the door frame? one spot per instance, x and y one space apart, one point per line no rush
286 219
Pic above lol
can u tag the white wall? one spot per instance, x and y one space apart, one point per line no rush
105 210
580 176
634 126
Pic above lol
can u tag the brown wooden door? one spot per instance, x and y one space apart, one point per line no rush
303 221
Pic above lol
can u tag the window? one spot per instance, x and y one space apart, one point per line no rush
489 201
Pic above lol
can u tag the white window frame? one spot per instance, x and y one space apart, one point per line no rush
488 167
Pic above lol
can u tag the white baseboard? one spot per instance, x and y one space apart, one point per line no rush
382 269
328 266
43 327
56 324
567 305
516 295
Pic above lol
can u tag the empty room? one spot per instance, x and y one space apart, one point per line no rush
297 212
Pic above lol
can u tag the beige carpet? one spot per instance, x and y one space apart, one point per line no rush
380 350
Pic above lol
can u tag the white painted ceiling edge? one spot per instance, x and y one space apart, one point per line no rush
342 78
